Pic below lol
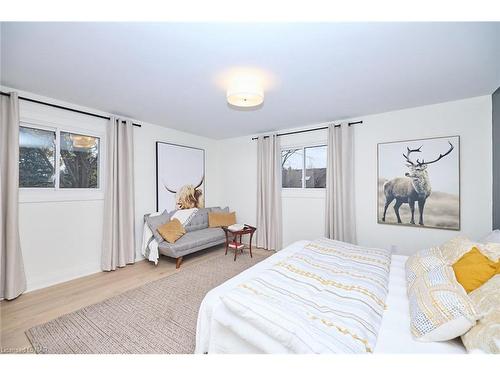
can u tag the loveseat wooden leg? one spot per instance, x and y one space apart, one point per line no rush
178 262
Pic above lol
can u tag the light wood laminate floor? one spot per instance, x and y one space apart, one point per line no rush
43 305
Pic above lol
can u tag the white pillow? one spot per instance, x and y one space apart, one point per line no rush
492 237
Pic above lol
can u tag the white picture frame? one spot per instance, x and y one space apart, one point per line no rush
180 177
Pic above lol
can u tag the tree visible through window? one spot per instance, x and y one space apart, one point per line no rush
304 167
78 157
37 157
79 161
292 163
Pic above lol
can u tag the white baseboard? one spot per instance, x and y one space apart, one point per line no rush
61 277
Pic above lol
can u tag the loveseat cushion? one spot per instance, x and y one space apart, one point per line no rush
199 220
194 240
219 209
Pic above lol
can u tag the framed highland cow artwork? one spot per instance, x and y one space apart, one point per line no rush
419 183
180 177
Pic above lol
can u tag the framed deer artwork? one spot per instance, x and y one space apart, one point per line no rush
419 183
180 177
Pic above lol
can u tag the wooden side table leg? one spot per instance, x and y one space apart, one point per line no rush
251 235
227 241
235 240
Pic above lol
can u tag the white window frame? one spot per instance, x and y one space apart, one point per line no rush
56 193
303 148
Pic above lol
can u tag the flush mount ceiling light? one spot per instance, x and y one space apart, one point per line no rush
82 141
245 91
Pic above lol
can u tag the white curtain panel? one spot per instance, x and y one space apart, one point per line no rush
12 277
269 224
118 243
340 223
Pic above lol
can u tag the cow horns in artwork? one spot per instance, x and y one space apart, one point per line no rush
195 187
188 196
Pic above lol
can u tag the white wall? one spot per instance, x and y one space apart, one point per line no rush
303 211
471 120
145 168
61 232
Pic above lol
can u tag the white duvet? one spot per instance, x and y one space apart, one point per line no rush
328 297
219 330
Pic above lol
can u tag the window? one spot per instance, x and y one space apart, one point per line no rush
292 163
315 166
304 167
37 157
58 159
79 165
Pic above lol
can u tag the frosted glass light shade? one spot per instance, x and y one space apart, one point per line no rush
82 141
245 93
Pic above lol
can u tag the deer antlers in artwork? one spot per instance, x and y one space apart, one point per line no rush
438 158
423 162
407 155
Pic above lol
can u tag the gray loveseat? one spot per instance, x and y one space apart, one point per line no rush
198 235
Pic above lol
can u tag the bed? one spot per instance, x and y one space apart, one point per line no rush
215 335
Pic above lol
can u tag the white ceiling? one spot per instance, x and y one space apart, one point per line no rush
169 74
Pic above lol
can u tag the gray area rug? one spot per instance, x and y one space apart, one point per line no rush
158 317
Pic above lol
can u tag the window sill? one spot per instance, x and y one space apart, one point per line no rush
318 193
27 195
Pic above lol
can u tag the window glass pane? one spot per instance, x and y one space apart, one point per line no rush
292 164
79 165
37 157
315 167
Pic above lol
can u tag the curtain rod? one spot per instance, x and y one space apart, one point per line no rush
308 130
65 108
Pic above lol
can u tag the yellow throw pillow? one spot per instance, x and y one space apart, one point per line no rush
172 231
473 269
221 219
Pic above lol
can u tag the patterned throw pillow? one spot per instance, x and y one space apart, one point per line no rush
485 336
492 237
491 250
440 309
422 262
455 248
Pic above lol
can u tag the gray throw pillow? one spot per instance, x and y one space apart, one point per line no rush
156 221
218 209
